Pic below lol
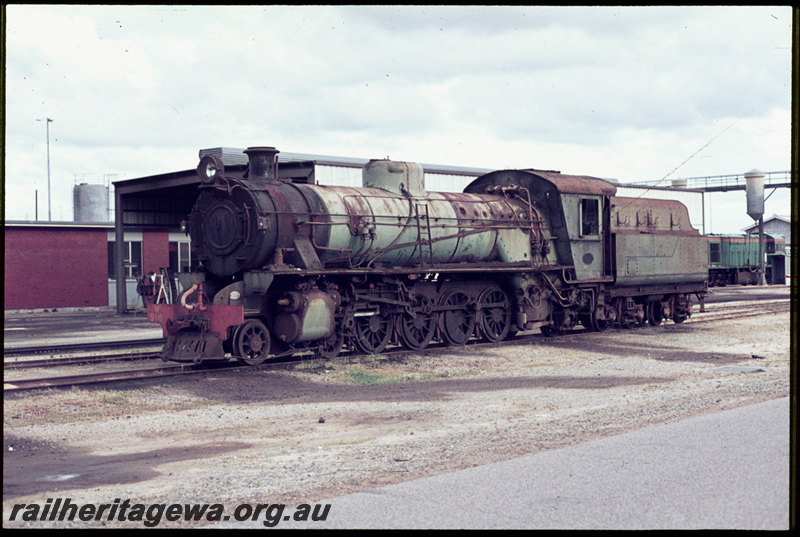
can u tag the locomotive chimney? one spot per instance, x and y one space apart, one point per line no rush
263 163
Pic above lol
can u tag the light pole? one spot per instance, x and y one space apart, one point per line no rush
47 125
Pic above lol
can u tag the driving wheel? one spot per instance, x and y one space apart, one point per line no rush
495 316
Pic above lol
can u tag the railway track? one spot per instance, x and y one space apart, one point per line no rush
55 350
740 310
81 353
714 313
78 360
99 378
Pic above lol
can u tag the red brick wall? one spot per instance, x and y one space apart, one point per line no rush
155 251
47 268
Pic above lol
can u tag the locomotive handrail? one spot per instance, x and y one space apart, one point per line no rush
247 224
460 234
385 220
537 235
380 220
405 226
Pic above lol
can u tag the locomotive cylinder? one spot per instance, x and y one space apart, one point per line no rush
305 316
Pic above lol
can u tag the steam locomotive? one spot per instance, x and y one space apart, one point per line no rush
289 268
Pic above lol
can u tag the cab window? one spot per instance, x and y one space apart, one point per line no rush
590 217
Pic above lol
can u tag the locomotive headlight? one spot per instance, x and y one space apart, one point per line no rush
211 169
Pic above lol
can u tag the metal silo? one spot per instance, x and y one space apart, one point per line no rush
90 203
754 188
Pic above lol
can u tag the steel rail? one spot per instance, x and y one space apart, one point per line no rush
110 376
73 347
77 360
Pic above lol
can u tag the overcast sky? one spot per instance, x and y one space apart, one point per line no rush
626 93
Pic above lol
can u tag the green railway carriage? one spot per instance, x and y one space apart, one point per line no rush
733 259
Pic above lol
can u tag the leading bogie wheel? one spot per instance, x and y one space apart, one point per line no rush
251 342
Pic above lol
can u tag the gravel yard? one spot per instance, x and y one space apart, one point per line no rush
323 429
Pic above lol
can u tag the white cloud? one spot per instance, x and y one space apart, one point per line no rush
620 92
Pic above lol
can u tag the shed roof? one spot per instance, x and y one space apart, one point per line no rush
236 156
773 218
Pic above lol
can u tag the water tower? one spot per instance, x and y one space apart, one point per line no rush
90 203
754 188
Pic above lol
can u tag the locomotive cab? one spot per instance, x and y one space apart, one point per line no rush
576 211
586 223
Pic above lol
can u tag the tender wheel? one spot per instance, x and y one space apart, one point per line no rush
655 313
622 313
601 318
495 316
373 333
417 331
681 308
252 342
458 321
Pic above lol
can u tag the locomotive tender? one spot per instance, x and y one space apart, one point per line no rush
291 267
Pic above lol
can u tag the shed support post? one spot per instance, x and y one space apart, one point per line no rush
119 254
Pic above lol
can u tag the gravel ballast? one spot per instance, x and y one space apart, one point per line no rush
319 430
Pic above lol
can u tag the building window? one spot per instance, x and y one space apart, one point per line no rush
181 258
590 217
132 259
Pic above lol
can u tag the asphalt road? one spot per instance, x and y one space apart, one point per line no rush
728 470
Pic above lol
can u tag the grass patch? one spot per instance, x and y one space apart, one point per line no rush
375 377
360 376
377 370
112 397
